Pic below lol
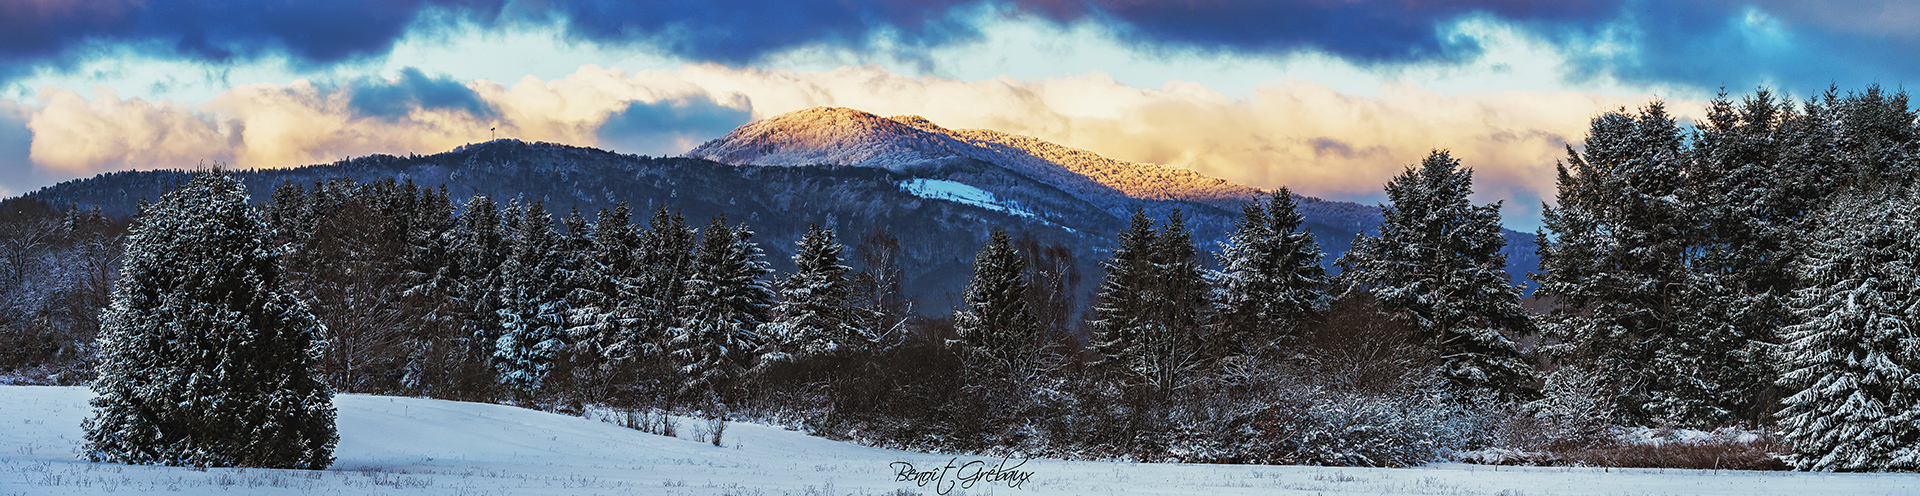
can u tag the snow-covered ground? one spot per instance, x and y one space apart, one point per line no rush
941 189
418 446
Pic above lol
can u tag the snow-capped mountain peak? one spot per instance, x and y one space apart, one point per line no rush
842 136
830 136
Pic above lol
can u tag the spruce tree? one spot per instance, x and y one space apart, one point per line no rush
666 262
1852 370
1122 306
531 315
1147 321
815 316
1627 254
1272 277
1750 204
996 326
606 305
204 359
1438 264
725 302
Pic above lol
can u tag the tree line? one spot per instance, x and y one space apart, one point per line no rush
1754 269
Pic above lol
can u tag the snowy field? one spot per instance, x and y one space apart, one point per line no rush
417 446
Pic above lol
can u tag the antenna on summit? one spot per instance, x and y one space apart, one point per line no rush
490 134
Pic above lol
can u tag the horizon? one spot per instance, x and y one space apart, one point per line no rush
1329 100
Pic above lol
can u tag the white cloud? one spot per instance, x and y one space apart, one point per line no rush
75 135
1287 132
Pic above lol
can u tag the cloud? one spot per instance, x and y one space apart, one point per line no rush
16 168
743 31
75 135
1374 31
1798 46
1301 134
669 126
42 31
415 90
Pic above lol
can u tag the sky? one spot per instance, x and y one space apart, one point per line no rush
1328 97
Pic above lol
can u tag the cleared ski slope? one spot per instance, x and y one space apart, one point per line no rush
408 446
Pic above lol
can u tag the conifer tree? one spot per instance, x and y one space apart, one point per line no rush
1147 321
606 304
996 326
1641 312
815 314
666 262
1852 371
725 302
1438 264
479 248
1126 296
531 314
1272 277
204 359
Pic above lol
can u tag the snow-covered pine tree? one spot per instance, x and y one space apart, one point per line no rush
606 306
725 302
1851 366
1751 205
579 280
1273 283
531 316
431 279
1175 347
997 330
1438 264
1123 306
1147 320
479 247
666 262
204 359
1638 312
814 317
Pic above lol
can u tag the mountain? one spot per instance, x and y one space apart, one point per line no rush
916 146
937 235
937 190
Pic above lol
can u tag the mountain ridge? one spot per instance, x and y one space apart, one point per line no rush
812 173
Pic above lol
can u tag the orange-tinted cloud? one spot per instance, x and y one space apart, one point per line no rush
1294 133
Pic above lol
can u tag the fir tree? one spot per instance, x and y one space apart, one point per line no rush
1750 205
607 307
479 248
1852 370
815 314
1438 264
1271 276
997 326
1122 307
1147 321
531 314
725 302
666 262
1640 311
204 359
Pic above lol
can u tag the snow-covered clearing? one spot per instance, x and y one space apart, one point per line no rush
941 189
419 446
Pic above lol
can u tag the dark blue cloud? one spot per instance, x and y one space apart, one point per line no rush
1693 42
1367 31
1711 45
17 172
742 31
39 32
394 99
658 128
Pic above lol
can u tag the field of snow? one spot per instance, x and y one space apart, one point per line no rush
416 446
941 189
